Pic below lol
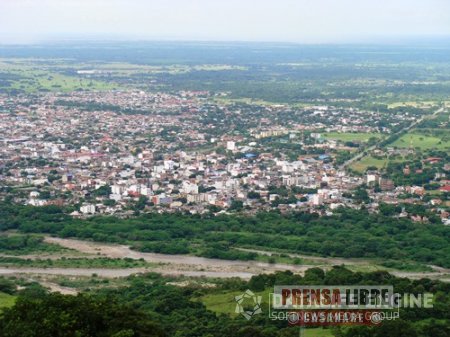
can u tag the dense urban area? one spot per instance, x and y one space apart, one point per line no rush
122 152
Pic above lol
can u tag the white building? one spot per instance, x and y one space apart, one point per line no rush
87 209
231 146
189 188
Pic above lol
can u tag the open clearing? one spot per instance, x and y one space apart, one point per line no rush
351 136
421 141
368 161
224 303
6 300
413 104
317 332
33 78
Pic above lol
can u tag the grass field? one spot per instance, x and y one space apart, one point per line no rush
425 104
317 332
38 81
351 136
224 303
6 301
32 77
434 139
365 162
421 141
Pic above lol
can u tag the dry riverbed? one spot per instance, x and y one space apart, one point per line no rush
186 265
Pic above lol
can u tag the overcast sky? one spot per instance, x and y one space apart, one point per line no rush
308 21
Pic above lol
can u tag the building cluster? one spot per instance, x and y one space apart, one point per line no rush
119 152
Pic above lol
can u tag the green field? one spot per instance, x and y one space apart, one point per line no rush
33 78
422 141
413 104
351 136
365 162
317 332
224 303
43 81
6 300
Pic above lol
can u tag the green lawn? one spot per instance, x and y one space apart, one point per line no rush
6 300
351 136
368 161
223 303
220 303
317 332
421 141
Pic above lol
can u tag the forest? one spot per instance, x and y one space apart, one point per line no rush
152 306
347 233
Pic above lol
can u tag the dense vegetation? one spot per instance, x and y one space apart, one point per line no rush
100 262
287 73
59 315
25 244
348 233
150 306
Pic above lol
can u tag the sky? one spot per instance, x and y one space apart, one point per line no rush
303 21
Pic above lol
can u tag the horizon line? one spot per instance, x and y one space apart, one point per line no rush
369 40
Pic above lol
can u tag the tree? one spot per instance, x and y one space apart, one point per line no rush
102 191
140 204
82 315
236 205
361 195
